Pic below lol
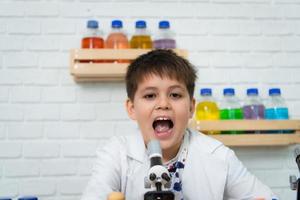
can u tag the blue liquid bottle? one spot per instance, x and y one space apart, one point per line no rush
276 108
28 198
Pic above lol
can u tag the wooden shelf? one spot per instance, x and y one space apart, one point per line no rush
103 70
259 139
251 125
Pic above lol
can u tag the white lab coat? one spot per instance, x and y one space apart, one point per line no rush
212 171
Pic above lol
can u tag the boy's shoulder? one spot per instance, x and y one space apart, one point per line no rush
205 144
130 145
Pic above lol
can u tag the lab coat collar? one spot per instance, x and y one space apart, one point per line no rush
203 143
136 147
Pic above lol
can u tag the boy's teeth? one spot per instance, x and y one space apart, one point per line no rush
162 118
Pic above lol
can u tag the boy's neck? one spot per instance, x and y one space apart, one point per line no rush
170 153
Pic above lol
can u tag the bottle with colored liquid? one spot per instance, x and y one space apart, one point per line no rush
141 38
165 38
117 39
207 108
28 198
92 38
253 107
276 108
230 108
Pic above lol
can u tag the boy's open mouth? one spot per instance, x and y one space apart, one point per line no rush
162 125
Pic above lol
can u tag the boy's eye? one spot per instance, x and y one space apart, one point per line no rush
175 95
149 96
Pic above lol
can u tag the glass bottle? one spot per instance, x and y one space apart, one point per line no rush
253 108
230 108
207 108
117 39
141 38
276 108
165 37
92 38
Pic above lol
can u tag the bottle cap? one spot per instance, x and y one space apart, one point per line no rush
228 91
164 24
116 24
274 91
206 91
252 91
28 198
92 24
140 24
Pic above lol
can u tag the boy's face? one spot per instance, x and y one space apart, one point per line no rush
162 108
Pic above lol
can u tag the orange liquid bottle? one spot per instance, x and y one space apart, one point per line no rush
117 39
141 39
92 40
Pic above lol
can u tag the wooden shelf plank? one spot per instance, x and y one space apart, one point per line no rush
225 125
259 139
97 79
85 70
130 54
251 139
103 70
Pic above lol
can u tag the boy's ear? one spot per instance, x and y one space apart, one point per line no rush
130 109
192 107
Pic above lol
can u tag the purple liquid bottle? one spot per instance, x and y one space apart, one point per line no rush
253 107
165 38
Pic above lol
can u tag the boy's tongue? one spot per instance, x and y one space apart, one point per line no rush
162 126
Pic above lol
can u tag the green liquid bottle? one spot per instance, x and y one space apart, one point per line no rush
231 109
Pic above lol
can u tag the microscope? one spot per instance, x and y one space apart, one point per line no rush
158 177
294 182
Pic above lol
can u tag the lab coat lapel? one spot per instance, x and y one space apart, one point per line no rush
204 176
138 165
136 148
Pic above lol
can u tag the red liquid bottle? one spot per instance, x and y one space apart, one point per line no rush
92 40
117 39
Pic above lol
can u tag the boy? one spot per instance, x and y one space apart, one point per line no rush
160 87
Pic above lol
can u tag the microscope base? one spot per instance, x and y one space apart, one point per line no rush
159 195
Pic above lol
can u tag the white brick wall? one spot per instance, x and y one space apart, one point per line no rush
27 130
50 126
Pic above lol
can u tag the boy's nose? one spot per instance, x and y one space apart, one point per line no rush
163 104
162 107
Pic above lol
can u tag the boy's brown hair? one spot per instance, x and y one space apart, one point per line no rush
163 63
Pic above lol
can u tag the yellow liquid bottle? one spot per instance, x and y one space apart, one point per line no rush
207 108
141 39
